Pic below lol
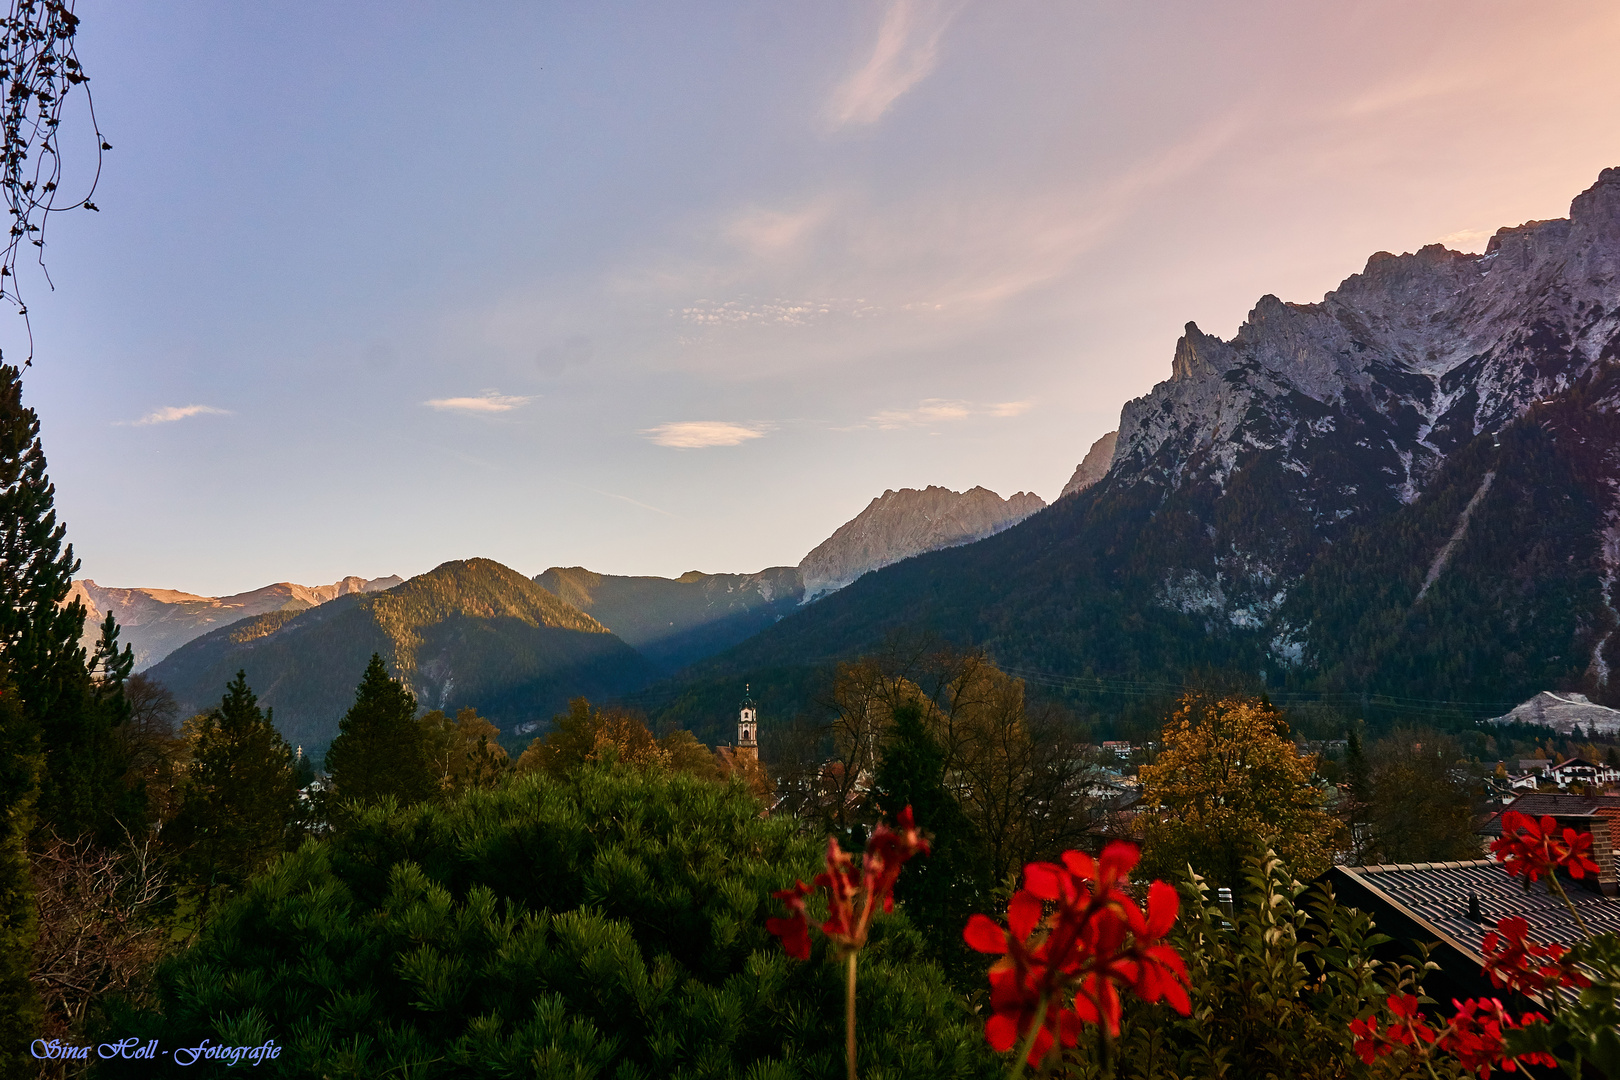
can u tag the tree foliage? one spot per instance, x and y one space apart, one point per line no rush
82 783
381 750
240 800
466 753
20 762
608 924
1276 978
586 734
1421 808
1228 782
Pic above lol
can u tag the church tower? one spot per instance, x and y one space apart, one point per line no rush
747 728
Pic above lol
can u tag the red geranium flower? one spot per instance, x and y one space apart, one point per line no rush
1095 942
1516 963
795 929
1532 848
1475 1037
850 905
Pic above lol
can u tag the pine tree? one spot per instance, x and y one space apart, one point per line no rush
19 785
380 749
941 891
240 794
82 782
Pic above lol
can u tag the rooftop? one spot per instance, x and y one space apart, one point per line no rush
1552 804
1435 895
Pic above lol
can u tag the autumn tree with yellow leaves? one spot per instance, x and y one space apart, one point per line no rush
1229 782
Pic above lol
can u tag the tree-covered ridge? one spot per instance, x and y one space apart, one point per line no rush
1088 594
675 621
468 633
607 924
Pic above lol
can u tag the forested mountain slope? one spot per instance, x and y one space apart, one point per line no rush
468 633
674 621
1310 500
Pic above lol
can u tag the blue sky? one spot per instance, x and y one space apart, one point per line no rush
658 287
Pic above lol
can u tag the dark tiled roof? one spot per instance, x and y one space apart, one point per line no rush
1539 804
1436 895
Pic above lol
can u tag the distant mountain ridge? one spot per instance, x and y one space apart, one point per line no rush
155 622
467 633
1410 489
674 621
677 621
899 524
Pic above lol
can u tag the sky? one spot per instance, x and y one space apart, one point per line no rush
654 287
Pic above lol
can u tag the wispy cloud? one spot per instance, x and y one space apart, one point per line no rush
771 232
782 311
697 434
928 411
621 498
488 402
905 53
170 413
937 410
1467 239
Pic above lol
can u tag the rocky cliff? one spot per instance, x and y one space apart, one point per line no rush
1346 409
155 622
1405 497
1094 466
899 524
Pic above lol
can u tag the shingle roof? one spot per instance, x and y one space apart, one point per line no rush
1436 896
1554 804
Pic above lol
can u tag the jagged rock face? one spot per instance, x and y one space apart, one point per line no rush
1094 466
155 622
675 621
899 524
1343 410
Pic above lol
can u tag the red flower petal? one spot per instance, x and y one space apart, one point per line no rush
1023 914
983 934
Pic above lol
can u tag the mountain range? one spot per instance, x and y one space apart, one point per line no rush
468 633
1402 500
155 622
1404 497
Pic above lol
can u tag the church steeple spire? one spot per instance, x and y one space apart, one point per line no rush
747 727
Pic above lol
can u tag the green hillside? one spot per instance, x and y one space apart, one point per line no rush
677 621
468 633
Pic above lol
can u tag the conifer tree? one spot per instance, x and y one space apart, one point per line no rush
943 890
82 782
19 785
240 796
380 749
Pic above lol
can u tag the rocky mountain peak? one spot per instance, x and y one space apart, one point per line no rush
1352 404
899 524
1093 467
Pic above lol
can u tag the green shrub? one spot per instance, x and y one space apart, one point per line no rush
1275 982
609 924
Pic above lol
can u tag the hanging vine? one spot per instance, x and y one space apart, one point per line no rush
39 72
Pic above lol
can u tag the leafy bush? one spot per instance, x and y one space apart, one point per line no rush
1276 979
608 924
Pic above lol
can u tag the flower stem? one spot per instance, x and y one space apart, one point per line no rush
1552 879
1029 1041
849 1014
